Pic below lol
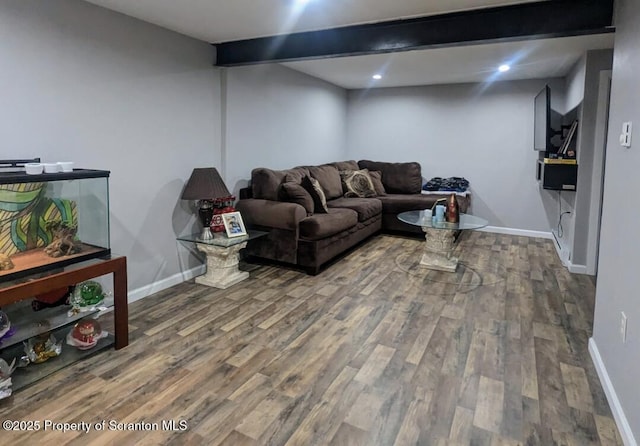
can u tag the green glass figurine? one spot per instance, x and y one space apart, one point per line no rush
87 293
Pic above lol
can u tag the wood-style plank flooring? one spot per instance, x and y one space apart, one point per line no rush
373 351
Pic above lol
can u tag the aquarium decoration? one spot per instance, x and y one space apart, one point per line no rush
26 215
5 262
65 242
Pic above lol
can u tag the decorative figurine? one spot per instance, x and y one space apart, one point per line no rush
64 241
6 331
453 214
86 296
5 369
85 334
5 262
41 348
5 377
51 299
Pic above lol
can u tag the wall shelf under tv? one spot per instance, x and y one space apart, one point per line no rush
557 174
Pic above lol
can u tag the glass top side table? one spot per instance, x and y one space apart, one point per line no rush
222 257
439 237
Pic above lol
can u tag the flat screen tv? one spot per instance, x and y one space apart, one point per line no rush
546 123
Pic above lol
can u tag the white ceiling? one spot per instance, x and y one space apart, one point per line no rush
531 59
220 21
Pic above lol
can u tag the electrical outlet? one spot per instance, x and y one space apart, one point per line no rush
623 327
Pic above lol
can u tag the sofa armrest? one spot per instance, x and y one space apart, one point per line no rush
271 214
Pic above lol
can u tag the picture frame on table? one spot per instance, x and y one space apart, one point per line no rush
233 224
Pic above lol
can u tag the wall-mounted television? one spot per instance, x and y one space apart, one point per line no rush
546 123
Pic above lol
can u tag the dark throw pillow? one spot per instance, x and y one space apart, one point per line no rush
317 194
357 183
376 179
295 193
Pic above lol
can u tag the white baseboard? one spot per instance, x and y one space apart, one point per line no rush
612 397
577 269
165 283
563 254
519 232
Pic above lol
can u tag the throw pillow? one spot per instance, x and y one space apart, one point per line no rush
317 194
329 178
376 179
295 193
357 183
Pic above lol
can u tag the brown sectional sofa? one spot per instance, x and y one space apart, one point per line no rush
308 239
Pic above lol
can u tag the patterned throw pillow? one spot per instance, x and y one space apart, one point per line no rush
357 183
315 190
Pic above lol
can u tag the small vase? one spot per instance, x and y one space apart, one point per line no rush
453 213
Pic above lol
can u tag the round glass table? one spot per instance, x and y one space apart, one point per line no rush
439 237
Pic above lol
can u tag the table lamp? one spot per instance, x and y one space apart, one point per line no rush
205 185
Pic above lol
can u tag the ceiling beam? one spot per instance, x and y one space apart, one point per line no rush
554 18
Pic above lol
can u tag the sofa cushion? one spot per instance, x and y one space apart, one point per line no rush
329 178
365 207
397 178
396 203
346 165
357 183
295 193
376 179
317 194
319 226
265 183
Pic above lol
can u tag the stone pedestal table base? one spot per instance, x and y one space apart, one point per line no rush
222 265
438 248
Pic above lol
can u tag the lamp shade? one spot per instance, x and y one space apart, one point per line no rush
205 184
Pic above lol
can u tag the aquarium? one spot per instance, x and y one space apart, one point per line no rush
51 220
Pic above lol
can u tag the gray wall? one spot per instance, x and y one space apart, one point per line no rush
279 118
481 132
109 92
617 288
588 151
575 85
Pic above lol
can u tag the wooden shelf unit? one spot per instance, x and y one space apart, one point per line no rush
16 292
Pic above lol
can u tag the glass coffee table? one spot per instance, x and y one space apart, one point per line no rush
222 257
439 237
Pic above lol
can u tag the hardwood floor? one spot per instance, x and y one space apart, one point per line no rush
372 351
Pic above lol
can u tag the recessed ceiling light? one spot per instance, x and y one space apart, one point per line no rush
377 76
504 68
